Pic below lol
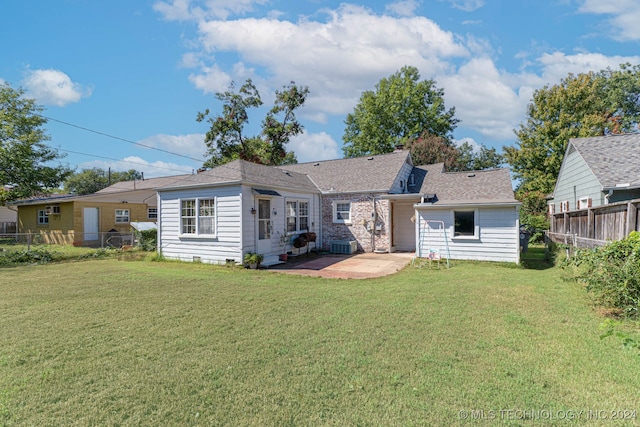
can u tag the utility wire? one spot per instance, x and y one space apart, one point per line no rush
118 138
149 165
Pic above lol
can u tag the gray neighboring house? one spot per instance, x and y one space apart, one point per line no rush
372 204
597 171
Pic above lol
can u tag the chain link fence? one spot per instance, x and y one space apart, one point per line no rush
93 240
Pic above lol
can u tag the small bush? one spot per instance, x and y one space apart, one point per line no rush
24 256
147 239
611 274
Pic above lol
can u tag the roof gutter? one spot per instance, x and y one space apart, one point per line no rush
465 205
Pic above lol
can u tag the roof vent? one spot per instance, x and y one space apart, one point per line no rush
316 164
471 175
287 173
428 198
370 158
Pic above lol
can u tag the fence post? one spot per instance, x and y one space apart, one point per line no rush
29 241
632 218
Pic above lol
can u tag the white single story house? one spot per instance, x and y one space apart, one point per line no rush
379 203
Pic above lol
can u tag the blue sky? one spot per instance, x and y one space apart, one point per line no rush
141 70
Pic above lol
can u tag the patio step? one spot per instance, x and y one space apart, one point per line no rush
271 260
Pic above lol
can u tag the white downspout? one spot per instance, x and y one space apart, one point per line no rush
607 196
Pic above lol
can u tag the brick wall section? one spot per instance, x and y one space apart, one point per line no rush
361 209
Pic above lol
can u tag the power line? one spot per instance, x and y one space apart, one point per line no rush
118 138
121 160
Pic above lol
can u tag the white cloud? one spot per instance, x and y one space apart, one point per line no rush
150 169
184 10
315 146
211 79
339 53
557 65
337 58
402 7
467 5
483 99
191 145
53 87
625 15
475 145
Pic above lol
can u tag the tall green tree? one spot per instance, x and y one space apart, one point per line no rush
26 162
89 181
583 105
400 109
226 140
428 149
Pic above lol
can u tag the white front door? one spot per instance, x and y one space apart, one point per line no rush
404 230
90 224
264 226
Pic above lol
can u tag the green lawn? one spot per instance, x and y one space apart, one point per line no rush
108 342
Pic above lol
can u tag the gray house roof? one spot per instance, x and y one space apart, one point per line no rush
613 159
473 187
359 174
142 184
241 171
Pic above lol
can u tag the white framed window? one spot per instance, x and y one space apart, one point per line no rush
297 215
465 224
152 213
198 216
43 218
342 212
122 216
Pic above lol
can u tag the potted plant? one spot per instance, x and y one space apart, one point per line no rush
253 260
284 242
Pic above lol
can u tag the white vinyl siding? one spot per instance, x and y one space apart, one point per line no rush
225 244
236 232
498 238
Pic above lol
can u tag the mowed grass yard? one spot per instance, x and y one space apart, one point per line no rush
109 342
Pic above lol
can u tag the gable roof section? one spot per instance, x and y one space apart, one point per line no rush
613 159
241 171
354 175
472 187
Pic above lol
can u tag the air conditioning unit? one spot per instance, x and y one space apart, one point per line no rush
52 210
584 203
346 247
564 206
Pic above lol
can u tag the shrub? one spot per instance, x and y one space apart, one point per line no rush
24 256
147 239
611 274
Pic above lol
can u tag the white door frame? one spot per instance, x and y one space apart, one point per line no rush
264 226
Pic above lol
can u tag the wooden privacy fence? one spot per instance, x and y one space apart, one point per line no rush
587 228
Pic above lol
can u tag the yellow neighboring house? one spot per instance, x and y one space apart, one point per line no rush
90 220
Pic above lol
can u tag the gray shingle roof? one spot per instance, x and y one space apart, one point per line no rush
359 174
613 159
248 173
146 184
486 186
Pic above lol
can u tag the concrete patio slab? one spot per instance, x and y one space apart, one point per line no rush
359 266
